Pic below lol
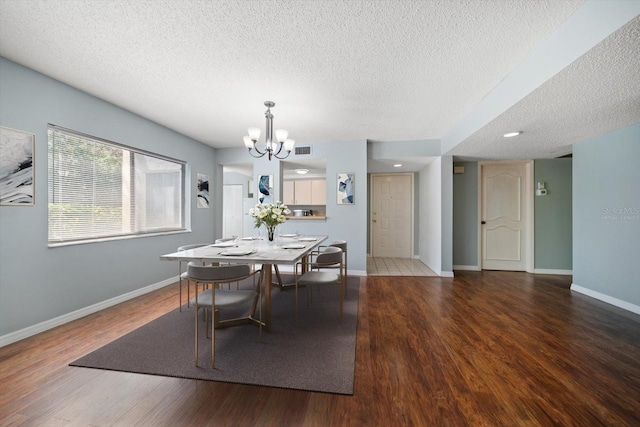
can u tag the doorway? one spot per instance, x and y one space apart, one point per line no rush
232 210
506 216
392 215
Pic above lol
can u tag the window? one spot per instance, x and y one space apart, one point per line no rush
102 190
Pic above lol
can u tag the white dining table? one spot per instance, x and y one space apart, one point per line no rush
287 251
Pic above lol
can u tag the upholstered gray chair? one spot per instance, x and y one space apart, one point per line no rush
183 274
331 256
215 299
342 244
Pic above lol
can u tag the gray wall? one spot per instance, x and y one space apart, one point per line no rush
38 283
552 222
465 215
606 214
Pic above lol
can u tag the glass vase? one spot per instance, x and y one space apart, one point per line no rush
271 231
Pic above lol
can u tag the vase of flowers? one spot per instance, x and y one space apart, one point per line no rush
270 215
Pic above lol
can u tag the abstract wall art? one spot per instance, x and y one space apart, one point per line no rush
203 190
265 189
16 167
345 188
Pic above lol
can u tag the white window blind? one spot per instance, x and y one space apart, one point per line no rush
101 190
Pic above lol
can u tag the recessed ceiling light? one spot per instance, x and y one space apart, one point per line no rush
397 165
512 134
302 171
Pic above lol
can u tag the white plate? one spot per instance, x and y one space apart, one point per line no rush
237 252
294 246
307 239
250 238
223 245
288 235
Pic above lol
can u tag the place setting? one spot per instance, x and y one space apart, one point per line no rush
229 244
237 252
293 246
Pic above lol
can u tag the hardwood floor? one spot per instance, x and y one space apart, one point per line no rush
485 348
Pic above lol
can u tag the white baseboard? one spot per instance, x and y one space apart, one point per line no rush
606 298
446 274
467 267
535 271
552 271
66 318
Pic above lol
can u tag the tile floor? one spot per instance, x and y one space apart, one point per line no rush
397 267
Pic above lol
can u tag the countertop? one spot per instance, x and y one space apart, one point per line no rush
307 218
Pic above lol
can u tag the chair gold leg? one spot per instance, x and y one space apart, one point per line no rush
340 297
213 329
196 333
189 295
180 280
213 343
346 276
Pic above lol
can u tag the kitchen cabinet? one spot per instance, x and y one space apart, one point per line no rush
302 192
305 192
319 192
287 193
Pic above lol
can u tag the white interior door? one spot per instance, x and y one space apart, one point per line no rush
504 216
392 215
232 210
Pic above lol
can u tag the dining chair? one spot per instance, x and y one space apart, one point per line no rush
215 299
329 257
183 274
342 244
229 240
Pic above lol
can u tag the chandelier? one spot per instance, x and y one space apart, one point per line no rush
271 148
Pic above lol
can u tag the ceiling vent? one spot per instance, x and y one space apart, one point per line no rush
303 151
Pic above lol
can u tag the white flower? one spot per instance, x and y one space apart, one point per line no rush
269 214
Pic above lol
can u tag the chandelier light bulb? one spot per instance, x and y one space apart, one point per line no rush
254 133
288 144
281 135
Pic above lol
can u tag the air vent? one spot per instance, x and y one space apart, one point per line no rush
303 151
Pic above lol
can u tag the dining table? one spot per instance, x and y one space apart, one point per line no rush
286 250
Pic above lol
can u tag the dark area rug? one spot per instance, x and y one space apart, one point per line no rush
317 355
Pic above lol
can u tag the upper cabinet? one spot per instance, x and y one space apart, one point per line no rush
319 192
288 191
305 192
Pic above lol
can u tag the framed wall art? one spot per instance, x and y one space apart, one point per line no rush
203 190
265 189
345 186
17 181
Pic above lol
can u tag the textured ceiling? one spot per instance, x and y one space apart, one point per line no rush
597 93
337 70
